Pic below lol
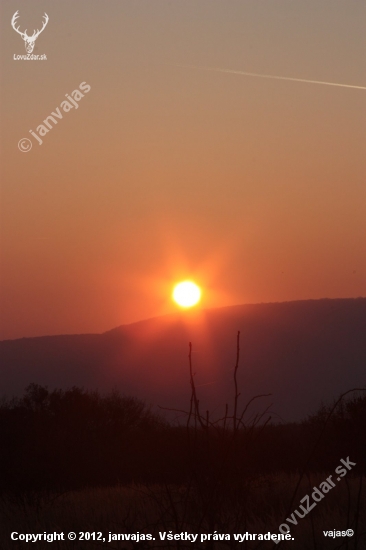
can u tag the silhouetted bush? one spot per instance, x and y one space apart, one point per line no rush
59 440
75 438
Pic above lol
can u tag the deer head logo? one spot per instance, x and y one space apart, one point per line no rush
29 40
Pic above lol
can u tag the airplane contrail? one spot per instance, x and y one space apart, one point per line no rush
258 75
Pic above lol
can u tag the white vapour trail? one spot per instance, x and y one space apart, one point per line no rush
257 75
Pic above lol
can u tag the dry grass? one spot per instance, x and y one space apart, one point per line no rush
152 509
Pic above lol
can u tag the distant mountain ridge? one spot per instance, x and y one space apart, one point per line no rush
301 352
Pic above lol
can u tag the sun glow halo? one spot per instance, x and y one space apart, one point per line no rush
186 294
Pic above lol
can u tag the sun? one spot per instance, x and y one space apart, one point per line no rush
186 294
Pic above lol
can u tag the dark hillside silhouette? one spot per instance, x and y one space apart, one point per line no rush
303 353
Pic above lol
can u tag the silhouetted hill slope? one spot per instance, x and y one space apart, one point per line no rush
302 352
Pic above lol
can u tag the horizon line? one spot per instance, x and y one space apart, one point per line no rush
185 312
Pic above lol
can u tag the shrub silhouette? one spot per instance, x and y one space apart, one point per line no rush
74 438
66 439
201 476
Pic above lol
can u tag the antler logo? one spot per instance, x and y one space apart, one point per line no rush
29 40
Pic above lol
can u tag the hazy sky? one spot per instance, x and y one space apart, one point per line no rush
254 187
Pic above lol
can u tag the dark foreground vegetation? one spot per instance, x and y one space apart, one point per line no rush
72 439
60 448
81 461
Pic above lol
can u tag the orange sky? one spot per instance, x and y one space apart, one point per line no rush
254 187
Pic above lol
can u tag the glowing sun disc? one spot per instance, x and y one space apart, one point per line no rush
186 294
